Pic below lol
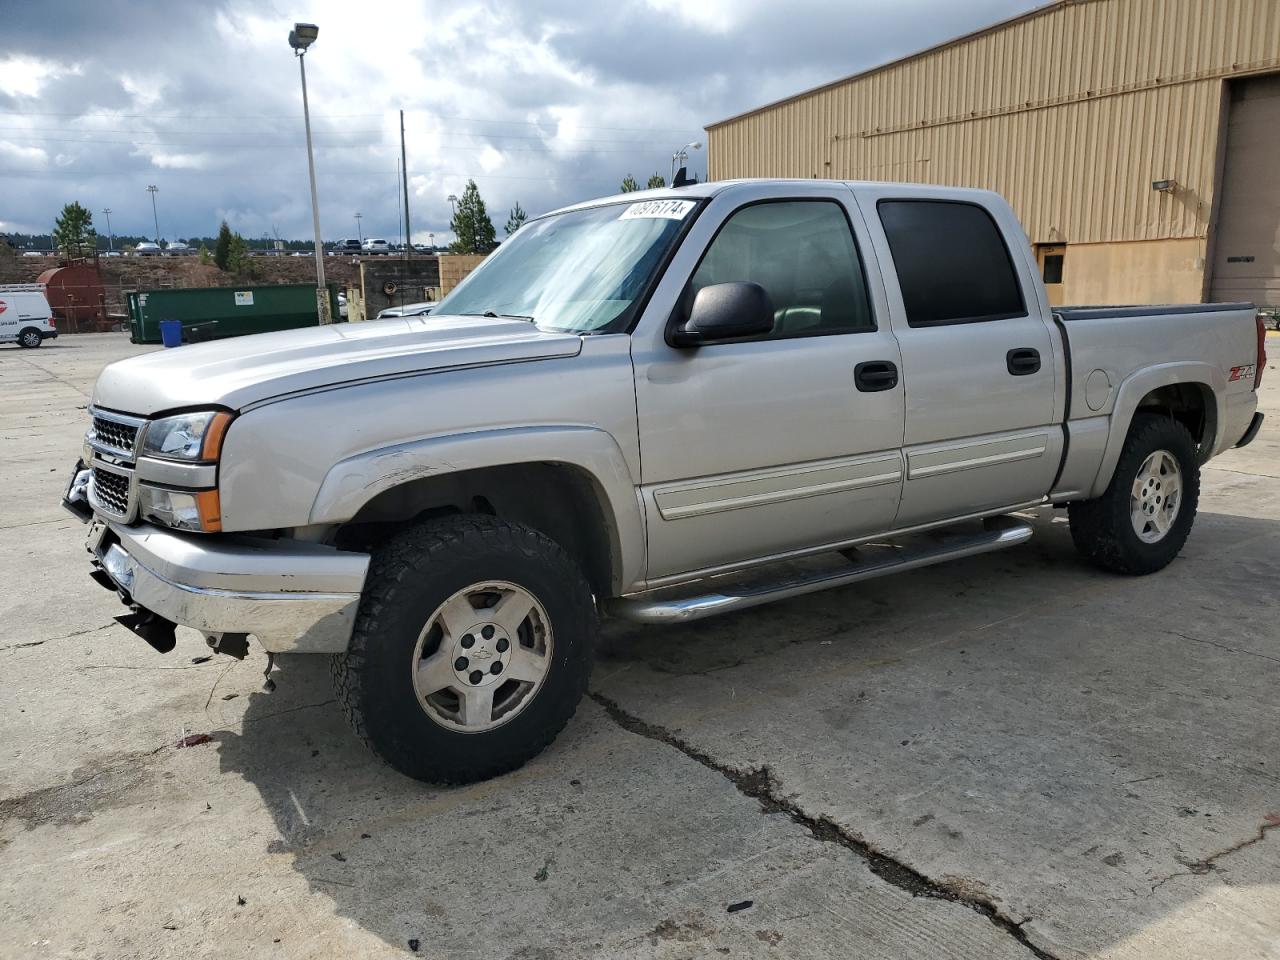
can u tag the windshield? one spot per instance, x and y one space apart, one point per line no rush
579 272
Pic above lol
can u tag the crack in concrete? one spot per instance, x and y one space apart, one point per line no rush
36 523
68 636
1198 868
1223 646
759 785
281 713
54 377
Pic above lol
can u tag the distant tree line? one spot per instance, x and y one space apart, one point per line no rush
74 235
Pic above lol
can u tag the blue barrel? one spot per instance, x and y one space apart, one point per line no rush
171 333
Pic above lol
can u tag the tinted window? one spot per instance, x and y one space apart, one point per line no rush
952 263
802 252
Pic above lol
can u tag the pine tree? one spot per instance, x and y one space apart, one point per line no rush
471 224
238 259
222 248
629 184
656 182
516 220
73 230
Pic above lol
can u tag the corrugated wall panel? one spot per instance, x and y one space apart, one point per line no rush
1070 112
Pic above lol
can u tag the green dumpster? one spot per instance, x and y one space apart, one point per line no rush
209 313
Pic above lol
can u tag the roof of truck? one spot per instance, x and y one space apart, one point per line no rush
700 191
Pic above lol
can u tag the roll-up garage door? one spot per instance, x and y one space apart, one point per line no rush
1246 261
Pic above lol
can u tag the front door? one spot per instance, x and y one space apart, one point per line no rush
982 417
762 446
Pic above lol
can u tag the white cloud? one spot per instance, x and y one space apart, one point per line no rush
544 102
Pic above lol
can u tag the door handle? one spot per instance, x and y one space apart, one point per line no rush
874 375
1022 361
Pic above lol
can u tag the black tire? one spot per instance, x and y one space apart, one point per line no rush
1102 529
409 578
30 338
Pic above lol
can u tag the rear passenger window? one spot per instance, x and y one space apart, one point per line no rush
952 263
803 253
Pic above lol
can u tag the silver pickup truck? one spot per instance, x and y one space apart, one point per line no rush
651 406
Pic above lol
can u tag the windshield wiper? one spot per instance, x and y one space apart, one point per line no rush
505 316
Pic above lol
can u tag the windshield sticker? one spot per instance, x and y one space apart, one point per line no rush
658 210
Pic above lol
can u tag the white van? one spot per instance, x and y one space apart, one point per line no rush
25 317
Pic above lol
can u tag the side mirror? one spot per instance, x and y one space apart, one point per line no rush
726 311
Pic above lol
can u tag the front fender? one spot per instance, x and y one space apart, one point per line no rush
353 482
1138 385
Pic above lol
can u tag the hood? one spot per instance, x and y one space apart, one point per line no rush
238 372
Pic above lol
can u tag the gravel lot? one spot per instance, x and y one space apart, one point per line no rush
1009 757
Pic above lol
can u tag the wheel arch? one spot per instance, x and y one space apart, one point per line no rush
1189 392
572 483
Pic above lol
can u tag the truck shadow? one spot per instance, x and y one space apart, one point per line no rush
586 850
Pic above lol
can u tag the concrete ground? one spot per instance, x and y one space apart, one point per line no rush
1015 756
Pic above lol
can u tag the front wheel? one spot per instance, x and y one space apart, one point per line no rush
471 650
1142 520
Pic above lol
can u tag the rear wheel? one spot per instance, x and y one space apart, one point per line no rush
30 338
1142 520
471 649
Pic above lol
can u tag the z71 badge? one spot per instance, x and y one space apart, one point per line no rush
1242 372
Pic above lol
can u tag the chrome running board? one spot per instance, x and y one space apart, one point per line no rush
999 533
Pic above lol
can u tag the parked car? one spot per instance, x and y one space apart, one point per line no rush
37 253
147 249
349 246
374 247
407 310
25 316
342 305
179 249
624 407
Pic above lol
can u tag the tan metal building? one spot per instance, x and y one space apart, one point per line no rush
1138 140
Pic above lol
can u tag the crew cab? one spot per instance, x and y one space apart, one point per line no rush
643 406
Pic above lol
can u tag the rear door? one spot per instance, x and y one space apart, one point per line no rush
982 407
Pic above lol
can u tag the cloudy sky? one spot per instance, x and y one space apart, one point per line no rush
544 102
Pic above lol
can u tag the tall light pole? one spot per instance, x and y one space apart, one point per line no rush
106 211
681 157
153 190
359 235
300 37
404 172
453 199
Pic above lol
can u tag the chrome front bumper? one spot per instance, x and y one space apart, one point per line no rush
293 596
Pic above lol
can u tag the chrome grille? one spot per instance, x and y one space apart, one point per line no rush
112 433
110 491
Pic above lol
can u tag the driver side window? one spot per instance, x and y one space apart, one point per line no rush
803 253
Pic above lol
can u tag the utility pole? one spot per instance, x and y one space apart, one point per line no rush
359 235
153 190
110 236
404 172
300 38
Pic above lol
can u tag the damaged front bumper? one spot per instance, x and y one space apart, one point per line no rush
292 596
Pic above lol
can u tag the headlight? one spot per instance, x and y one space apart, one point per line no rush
181 509
188 436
